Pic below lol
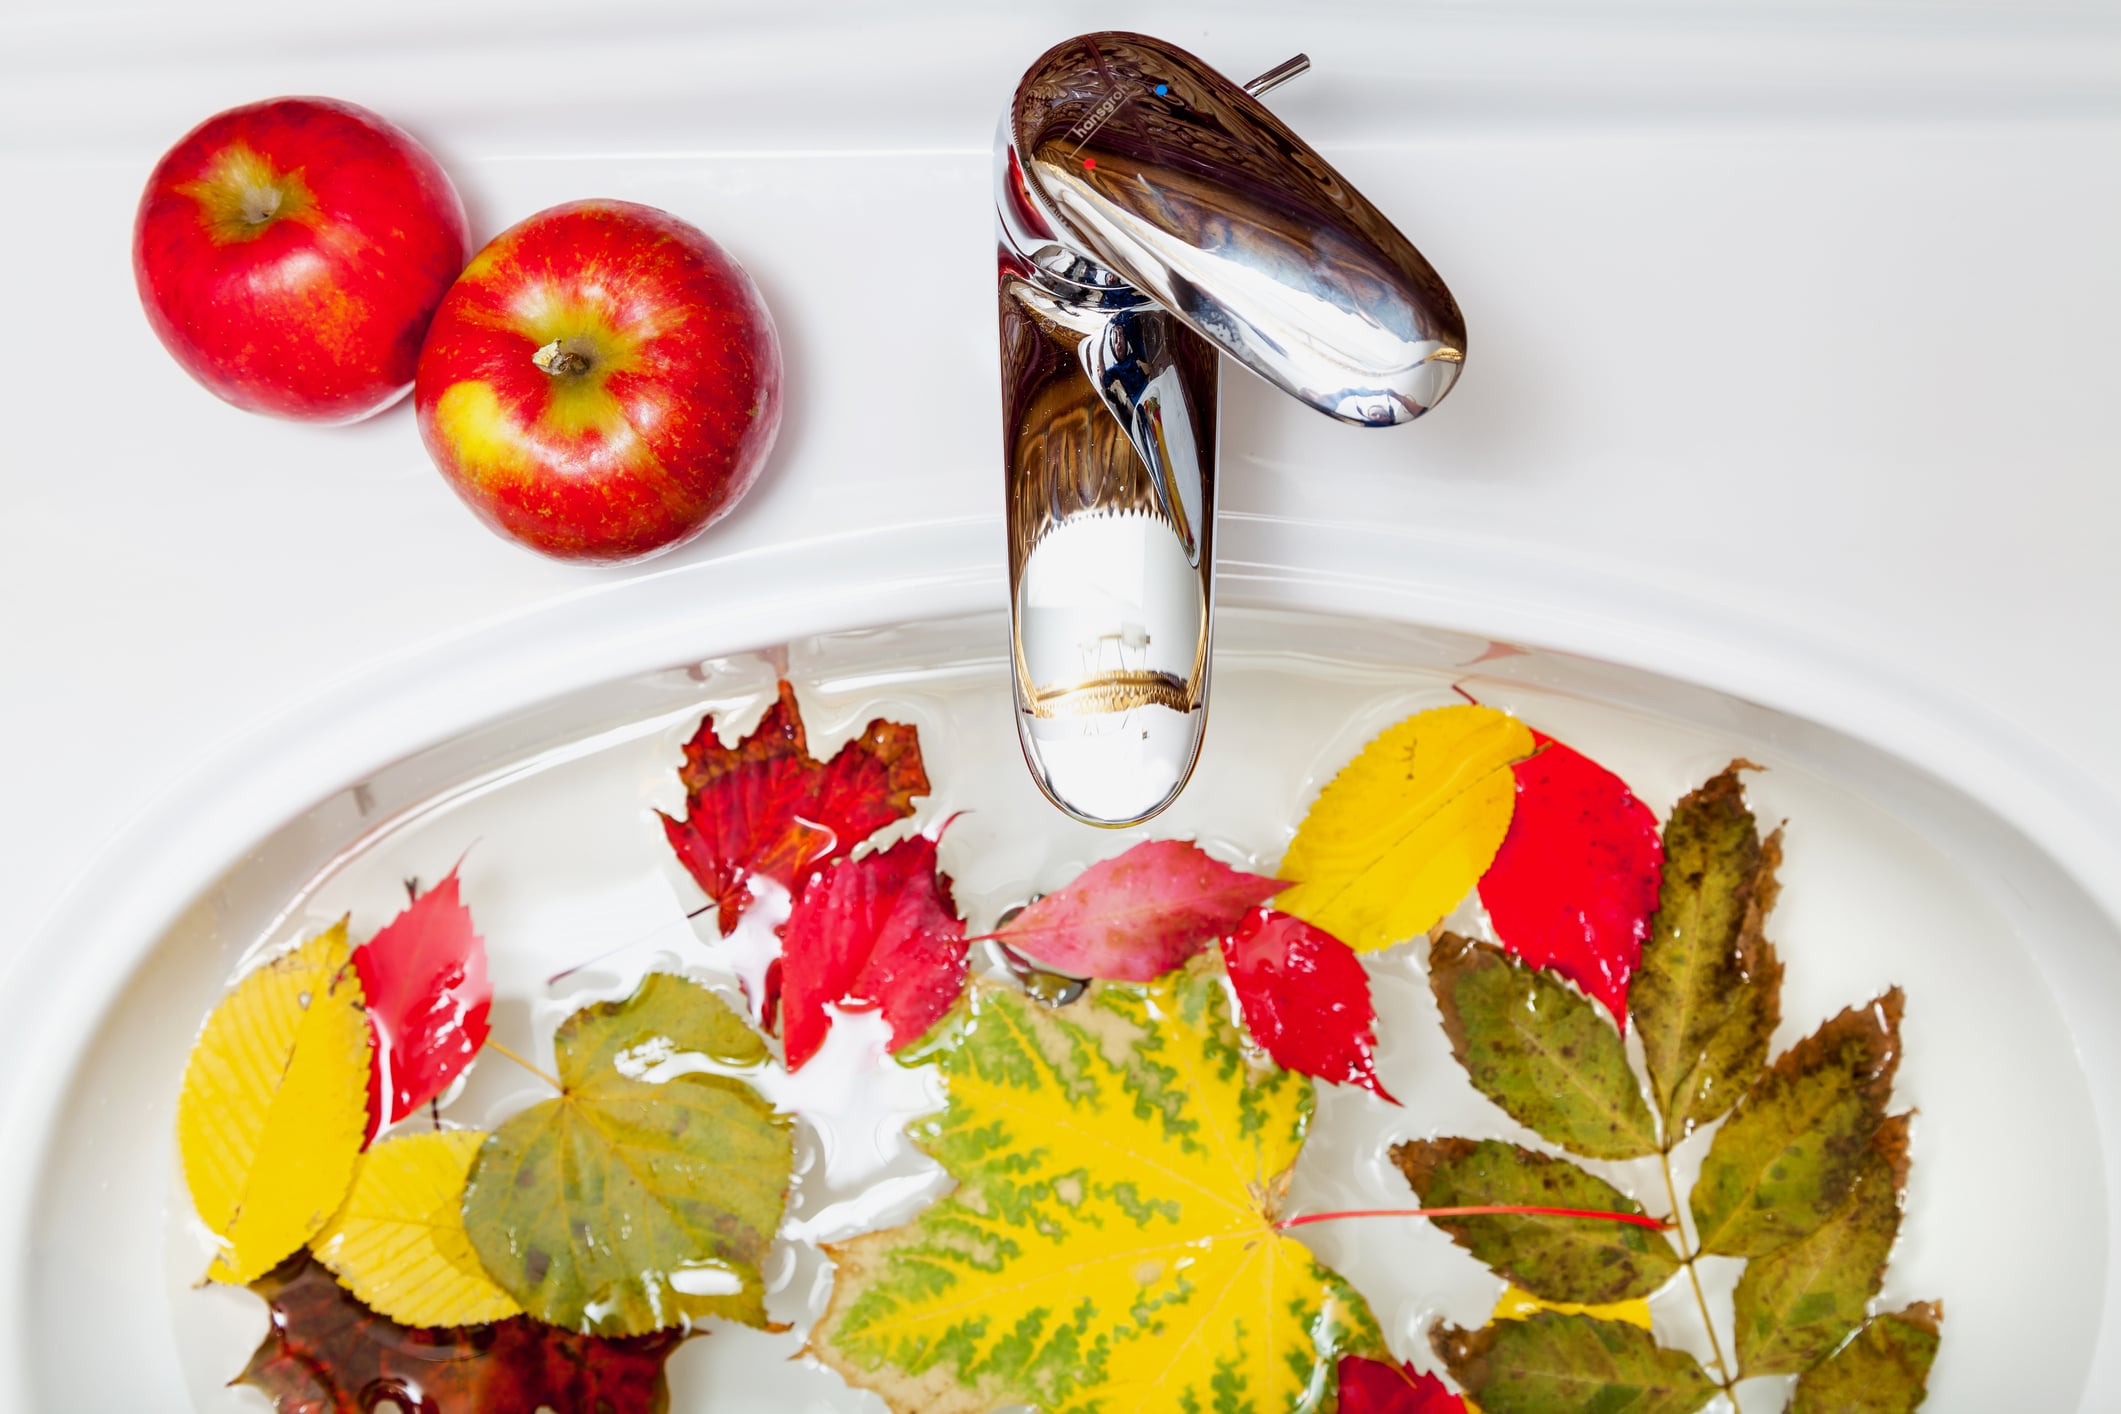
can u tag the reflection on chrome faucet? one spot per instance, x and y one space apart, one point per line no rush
1151 214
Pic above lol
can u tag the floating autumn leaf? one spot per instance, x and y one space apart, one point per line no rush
1305 998
398 1242
767 807
1137 915
424 980
1550 1362
1574 884
1579 1260
1380 1387
1884 1370
326 1353
1112 1243
270 1117
1797 1304
1790 1151
1708 995
647 1192
1540 1050
876 932
1407 828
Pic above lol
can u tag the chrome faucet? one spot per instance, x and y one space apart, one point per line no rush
1151 214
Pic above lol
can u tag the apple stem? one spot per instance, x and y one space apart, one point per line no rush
559 361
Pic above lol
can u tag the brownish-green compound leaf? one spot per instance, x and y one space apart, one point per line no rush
1796 1304
1555 1364
1541 1050
1556 1259
648 1192
1885 1370
1785 1159
1709 991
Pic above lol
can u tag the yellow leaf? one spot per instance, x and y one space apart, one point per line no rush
275 1105
399 1243
1517 1303
1407 828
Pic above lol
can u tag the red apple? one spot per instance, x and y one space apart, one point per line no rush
602 383
290 253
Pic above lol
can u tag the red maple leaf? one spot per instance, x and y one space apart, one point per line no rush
1305 997
1375 1387
767 807
1574 885
326 1353
424 981
881 931
1137 915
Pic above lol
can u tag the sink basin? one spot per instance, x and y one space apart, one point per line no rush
543 744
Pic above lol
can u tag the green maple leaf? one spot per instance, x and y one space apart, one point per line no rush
1112 1242
629 1204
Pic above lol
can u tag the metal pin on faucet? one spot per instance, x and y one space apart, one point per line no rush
1280 74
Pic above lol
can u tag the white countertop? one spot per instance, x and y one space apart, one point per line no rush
1804 314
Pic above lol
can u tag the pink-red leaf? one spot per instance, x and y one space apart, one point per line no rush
326 1353
1138 915
767 807
1305 997
881 931
1575 882
1375 1387
425 983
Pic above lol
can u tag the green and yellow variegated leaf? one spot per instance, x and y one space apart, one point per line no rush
1584 1261
1884 1370
1541 1050
1708 994
1555 1364
1111 1245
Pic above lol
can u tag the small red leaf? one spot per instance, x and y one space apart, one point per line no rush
766 806
1575 882
1375 1387
326 1353
1138 915
1305 997
880 931
424 981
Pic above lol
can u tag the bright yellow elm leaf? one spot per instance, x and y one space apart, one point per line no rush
1407 828
1111 1244
399 1242
275 1105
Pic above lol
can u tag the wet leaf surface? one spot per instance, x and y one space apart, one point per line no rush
424 979
1304 997
1581 1260
1540 1050
767 807
1550 1364
1884 1370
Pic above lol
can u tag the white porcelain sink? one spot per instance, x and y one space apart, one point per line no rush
544 746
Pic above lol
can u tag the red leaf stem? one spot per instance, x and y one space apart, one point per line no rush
1478 1210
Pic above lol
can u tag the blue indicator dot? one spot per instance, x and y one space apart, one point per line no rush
1162 89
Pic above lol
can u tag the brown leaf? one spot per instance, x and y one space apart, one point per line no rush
1550 1363
1884 1370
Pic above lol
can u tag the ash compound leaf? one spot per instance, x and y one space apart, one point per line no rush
877 932
1884 1370
1786 1158
271 1114
398 1242
767 807
1137 915
1709 992
1380 1387
1576 880
648 1192
424 980
1305 998
1540 1050
1408 827
1798 1303
1549 1362
1580 1260
1111 1244
326 1353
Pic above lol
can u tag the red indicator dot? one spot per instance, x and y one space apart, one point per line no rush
1089 164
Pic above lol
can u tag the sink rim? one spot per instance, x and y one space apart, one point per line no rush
154 867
